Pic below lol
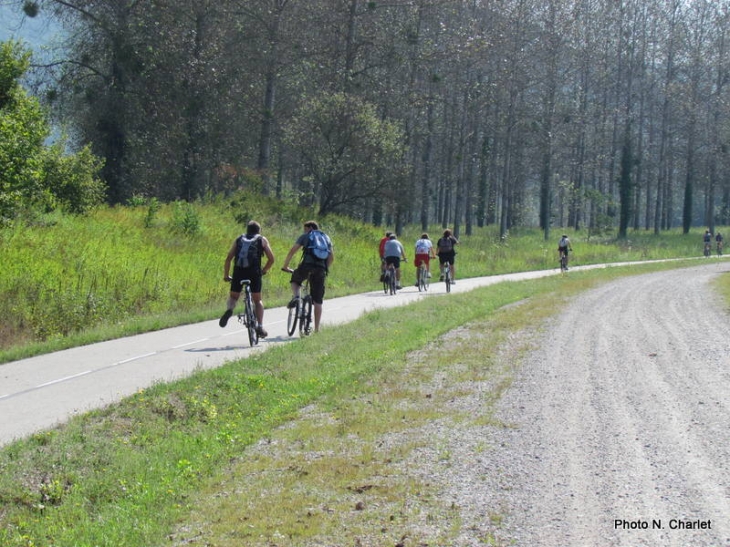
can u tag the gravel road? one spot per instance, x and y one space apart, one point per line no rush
621 422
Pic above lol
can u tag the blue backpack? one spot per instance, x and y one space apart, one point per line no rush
318 245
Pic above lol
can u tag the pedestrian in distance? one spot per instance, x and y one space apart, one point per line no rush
247 250
317 257
718 241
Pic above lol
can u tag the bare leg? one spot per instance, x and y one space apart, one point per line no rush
258 305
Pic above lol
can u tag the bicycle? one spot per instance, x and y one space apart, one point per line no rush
248 317
446 274
301 313
719 248
707 249
390 283
563 261
385 278
423 277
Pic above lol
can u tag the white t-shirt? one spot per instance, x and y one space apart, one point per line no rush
423 246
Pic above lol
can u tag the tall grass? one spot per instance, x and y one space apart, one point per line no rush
122 270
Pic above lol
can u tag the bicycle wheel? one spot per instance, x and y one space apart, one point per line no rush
253 336
250 320
386 281
422 278
447 278
293 318
393 283
305 320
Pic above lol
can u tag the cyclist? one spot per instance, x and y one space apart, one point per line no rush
252 271
424 252
311 267
707 238
718 240
393 252
564 247
381 251
447 253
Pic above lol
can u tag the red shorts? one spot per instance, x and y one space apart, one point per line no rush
422 258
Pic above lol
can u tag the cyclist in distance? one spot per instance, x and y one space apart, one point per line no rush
311 267
564 247
707 238
381 251
718 241
393 253
447 253
248 268
424 253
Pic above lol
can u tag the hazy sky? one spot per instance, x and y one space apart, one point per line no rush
35 32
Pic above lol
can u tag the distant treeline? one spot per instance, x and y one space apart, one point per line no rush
602 113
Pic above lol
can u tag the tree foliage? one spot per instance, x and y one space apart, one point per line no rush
498 103
35 177
351 154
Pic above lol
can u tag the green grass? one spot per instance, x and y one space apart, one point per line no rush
155 464
125 270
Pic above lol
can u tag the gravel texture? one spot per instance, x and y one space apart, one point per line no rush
620 425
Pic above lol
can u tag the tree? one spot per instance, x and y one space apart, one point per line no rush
350 153
33 176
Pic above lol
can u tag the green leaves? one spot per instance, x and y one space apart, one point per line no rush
352 153
33 176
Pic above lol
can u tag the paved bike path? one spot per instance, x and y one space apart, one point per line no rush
40 392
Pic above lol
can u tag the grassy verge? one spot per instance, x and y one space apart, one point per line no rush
123 270
126 474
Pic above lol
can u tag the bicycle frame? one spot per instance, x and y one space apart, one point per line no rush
301 314
446 271
391 282
423 277
248 317
563 262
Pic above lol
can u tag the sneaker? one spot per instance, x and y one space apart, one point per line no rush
292 303
261 332
398 288
441 278
416 283
382 278
225 317
428 274
453 282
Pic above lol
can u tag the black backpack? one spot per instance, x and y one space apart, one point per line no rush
249 251
445 244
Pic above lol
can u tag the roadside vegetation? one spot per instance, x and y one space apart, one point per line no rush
70 280
169 466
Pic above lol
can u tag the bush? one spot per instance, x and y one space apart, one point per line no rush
72 179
